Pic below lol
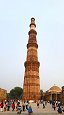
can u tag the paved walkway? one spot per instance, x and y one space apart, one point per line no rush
48 110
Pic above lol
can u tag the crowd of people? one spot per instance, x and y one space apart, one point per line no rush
13 105
57 105
19 106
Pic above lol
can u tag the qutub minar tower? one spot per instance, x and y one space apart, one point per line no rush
31 86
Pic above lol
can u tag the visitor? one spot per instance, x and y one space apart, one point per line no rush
8 105
54 106
23 105
13 106
63 108
59 110
30 110
43 104
5 106
26 103
37 104
18 103
19 109
1 106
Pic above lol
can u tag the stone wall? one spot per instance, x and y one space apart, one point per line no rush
3 94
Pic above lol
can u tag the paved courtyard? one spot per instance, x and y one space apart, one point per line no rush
48 110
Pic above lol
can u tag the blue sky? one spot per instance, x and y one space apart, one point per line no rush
15 18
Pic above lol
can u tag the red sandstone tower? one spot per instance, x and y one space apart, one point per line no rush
31 86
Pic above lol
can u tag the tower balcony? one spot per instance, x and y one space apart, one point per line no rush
33 63
32 45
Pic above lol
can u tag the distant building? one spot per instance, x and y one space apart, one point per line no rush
62 96
3 94
54 93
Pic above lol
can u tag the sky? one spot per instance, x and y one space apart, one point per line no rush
15 17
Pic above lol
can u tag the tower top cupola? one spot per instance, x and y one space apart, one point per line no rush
32 24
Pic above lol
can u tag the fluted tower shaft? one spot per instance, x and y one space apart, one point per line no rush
31 86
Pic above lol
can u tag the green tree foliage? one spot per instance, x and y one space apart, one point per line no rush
16 93
8 96
41 93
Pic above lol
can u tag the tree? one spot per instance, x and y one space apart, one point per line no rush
16 93
8 96
41 93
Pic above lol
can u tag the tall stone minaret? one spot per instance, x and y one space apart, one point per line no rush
31 86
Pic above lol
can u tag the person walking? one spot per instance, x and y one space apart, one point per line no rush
54 105
43 104
23 105
37 104
5 106
26 103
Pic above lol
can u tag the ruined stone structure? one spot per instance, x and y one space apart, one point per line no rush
62 96
31 86
53 93
3 94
